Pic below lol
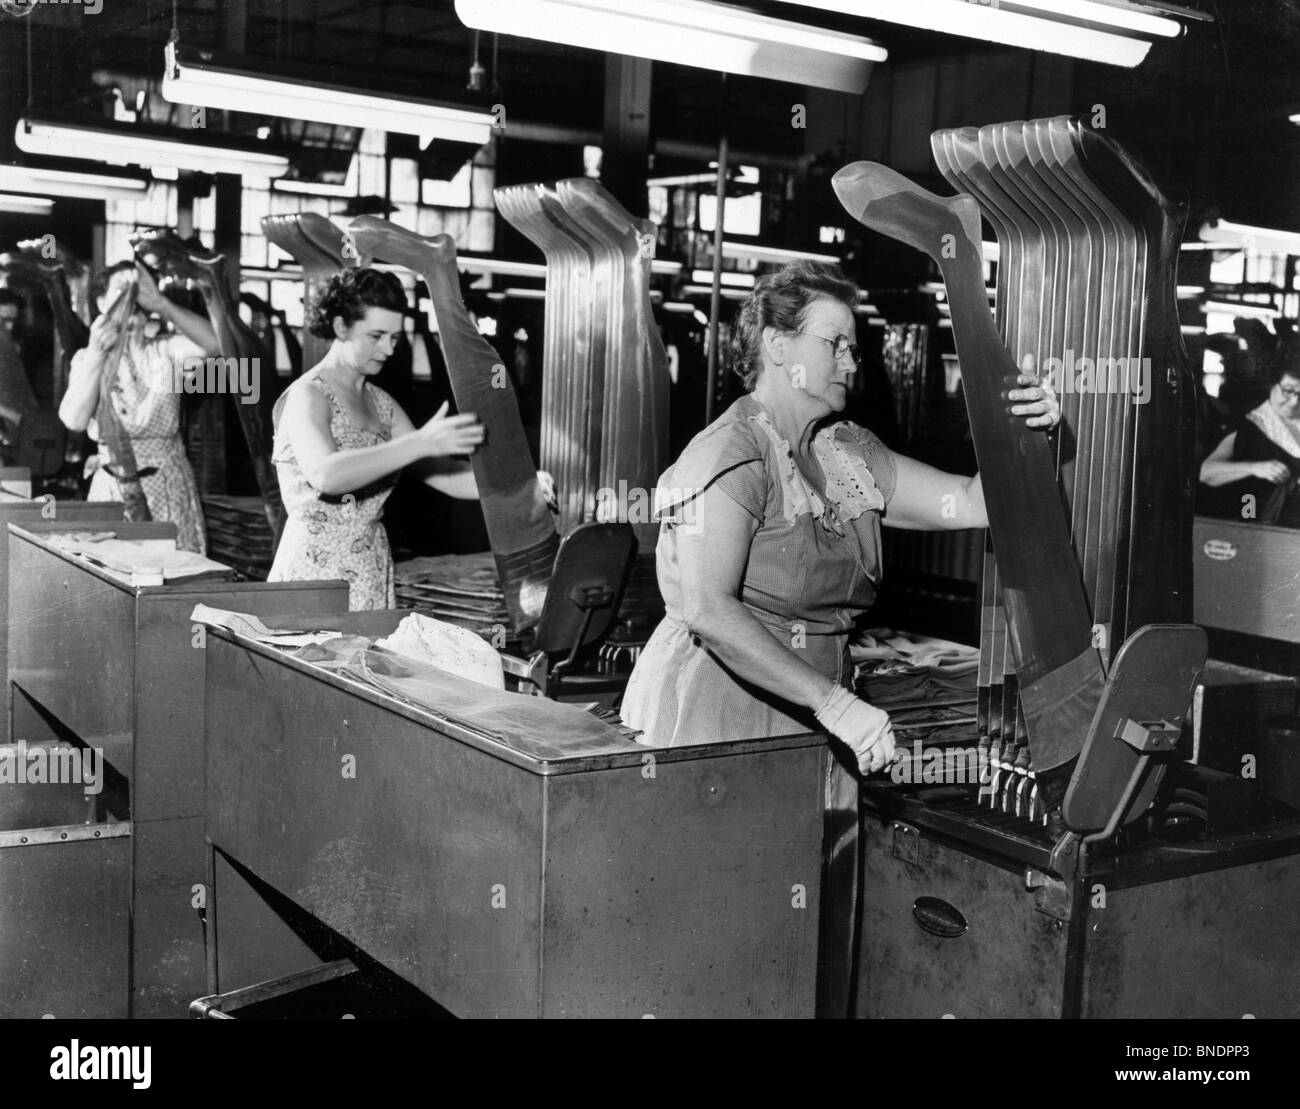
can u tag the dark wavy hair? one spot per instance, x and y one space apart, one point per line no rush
104 278
349 294
782 300
1286 361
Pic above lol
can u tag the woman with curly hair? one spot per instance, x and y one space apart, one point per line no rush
770 547
341 442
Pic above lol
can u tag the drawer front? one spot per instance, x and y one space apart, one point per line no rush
944 933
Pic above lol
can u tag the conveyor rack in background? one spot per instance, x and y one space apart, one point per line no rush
239 534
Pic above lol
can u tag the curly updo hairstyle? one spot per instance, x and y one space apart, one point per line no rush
349 294
781 300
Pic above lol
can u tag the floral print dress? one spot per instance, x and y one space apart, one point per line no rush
328 537
146 395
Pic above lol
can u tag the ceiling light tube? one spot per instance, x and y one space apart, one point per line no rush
500 266
60 182
197 77
146 147
1233 308
775 254
683 179
688 32
707 290
1054 26
312 188
25 205
1253 238
726 277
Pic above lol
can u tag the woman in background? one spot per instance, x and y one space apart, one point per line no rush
144 395
341 442
1261 459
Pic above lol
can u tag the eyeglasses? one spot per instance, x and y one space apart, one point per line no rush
1288 391
840 347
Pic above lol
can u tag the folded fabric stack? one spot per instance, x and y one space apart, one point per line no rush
462 589
239 534
898 667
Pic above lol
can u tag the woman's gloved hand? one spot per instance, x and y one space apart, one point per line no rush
547 485
866 729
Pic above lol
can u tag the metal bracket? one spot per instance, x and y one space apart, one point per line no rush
1064 860
907 843
1149 737
1052 896
531 673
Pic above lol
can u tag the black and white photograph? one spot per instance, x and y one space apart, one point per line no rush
650 509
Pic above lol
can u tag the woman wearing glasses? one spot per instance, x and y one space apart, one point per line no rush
1254 472
770 547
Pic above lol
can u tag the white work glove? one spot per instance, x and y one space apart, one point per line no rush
866 729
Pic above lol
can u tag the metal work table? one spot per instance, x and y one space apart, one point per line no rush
96 662
21 511
503 877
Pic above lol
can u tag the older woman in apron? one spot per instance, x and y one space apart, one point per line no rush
770 548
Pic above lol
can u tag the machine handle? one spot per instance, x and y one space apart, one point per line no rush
936 916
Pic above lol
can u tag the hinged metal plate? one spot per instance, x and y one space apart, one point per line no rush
907 843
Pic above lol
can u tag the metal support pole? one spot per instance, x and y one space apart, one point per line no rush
715 298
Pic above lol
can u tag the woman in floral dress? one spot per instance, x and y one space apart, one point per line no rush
145 397
341 442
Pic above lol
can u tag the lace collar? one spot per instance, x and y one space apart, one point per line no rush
851 489
1278 430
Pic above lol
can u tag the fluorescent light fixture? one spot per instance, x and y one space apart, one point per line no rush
688 32
1190 290
1231 308
940 290
1067 27
501 266
261 273
146 147
682 179
679 306
311 188
726 277
707 290
775 254
63 182
1252 238
199 77
25 205
527 294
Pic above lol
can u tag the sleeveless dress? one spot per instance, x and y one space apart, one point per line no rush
148 403
327 536
814 565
